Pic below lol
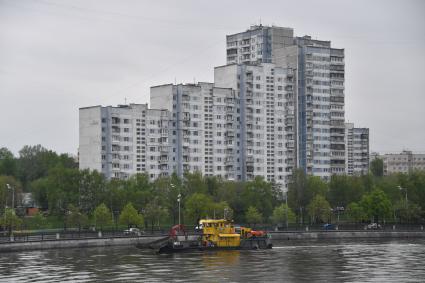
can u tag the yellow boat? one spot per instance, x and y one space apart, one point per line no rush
216 234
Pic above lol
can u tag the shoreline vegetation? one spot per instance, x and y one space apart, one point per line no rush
69 198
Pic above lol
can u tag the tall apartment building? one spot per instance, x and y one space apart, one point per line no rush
259 44
277 105
403 162
204 128
356 150
266 118
124 140
319 91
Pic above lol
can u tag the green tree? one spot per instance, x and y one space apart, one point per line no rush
213 186
37 221
319 209
376 204
410 212
8 163
377 167
194 183
356 212
91 190
253 216
35 162
10 220
231 193
280 213
75 218
166 191
261 195
9 193
197 206
129 216
316 186
222 209
344 190
62 188
139 191
102 216
40 191
298 194
154 213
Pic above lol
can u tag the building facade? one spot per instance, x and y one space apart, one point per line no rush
266 126
403 162
124 140
319 91
357 150
203 128
277 105
259 44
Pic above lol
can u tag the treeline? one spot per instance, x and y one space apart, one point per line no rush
397 198
77 197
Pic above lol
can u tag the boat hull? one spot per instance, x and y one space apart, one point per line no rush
171 246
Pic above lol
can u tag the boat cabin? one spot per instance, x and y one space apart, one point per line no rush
219 233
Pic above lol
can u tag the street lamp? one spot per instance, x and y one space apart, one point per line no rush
405 189
13 209
286 209
13 195
178 200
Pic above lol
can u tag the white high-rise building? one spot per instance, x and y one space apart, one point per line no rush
124 140
266 143
318 91
204 128
356 150
277 105
259 44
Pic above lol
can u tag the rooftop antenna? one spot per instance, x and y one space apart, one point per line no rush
260 21
125 100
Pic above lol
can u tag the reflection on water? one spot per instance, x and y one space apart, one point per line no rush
331 261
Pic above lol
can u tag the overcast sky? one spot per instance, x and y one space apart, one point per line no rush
57 56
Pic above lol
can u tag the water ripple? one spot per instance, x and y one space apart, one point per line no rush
326 261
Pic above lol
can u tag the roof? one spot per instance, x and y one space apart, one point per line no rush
214 221
229 235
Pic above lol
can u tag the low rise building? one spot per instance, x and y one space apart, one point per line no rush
403 162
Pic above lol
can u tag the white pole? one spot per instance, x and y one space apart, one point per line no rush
178 199
286 210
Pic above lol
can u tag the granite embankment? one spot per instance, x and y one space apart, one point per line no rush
77 243
132 241
318 235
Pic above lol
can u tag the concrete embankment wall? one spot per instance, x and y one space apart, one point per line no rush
345 235
145 240
77 243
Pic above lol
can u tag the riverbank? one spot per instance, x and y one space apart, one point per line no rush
146 240
77 243
322 235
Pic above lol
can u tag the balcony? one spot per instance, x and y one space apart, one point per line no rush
230 134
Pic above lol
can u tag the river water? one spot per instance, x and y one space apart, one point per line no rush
325 261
